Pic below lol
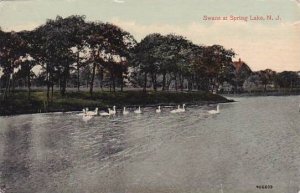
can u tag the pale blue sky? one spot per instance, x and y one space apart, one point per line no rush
261 44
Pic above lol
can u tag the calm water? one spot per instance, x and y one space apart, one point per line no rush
252 142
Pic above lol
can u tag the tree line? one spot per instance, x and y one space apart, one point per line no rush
73 50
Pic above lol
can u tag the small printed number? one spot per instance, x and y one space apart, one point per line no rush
264 186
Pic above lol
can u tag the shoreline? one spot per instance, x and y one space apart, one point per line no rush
76 101
262 94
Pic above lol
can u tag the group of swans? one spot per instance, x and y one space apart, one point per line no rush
86 112
89 114
179 110
110 112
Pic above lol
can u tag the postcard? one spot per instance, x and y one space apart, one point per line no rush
149 96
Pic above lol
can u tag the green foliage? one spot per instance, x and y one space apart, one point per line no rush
287 79
85 53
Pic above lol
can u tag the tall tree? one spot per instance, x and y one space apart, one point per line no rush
56 40
266 76
287 79
11 50
109 48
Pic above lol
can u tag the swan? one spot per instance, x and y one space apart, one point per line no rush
125 112
215 111
158 110
178 110
83 113
92 113
138 111
112 112
183 108
104 114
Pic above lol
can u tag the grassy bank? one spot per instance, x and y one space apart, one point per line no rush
18 103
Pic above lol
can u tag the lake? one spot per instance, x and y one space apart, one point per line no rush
252 142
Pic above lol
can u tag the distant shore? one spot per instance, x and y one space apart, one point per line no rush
18 103
268 93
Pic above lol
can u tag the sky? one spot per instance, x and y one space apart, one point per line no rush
261 44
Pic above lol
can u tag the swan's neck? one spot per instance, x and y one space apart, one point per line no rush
218 108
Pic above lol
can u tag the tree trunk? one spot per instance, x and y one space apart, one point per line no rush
78 79
12 87
6 88
176 86
65 79
48 87
265 88
181 82
145 82
78 72
28 84
92 79
164 81
52 85
122 82
190 84
113 81
154 81
101 77
63 87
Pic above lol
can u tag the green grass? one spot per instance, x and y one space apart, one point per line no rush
18 103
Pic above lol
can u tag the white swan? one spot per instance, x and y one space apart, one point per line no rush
215 111
178 110
104 114
183 108
158 110
138 111
125 112
112 112
83 113
92 113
